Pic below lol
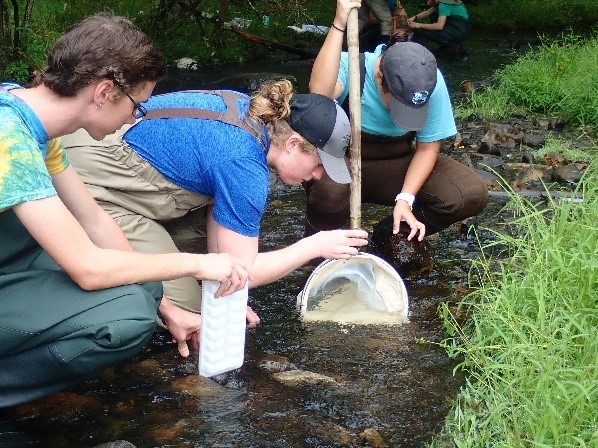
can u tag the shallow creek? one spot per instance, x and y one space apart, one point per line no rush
378 386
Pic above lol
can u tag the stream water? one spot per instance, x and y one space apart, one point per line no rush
379 386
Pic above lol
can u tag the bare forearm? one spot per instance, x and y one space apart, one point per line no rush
326 66
420 167
324 73
437 26
341 244
108 268
423 14
271 266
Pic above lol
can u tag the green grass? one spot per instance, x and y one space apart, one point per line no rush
529 344
555 79
531 15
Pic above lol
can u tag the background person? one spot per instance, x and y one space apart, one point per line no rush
405 113
210 151
74 297
449 24
380 9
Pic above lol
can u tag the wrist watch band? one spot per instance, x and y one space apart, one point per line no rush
407 197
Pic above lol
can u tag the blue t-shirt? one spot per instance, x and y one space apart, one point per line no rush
27 158
375 118
208 157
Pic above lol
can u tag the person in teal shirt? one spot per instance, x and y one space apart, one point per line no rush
449 26
405 114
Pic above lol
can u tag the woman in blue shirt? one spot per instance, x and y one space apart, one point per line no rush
211 152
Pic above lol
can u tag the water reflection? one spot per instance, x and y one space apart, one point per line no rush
484 54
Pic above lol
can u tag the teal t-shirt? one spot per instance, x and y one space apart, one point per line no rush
452 10
375 118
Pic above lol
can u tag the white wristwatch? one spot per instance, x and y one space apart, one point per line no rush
407 197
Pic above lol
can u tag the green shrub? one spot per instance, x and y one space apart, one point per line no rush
557 78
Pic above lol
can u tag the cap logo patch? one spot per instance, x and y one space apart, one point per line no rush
346 139
420 98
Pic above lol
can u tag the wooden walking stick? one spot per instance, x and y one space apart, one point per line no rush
355 118
384 282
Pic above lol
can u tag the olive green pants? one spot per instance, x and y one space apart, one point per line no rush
53 334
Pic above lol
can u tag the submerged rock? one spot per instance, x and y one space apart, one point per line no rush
197 386
373 438
116 444
275 363
296 378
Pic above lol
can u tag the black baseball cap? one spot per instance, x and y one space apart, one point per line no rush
323 123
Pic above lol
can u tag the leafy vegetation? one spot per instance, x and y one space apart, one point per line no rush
195 28
531 15
528 345
181 28
556 78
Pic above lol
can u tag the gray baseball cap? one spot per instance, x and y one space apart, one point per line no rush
409 70
323 123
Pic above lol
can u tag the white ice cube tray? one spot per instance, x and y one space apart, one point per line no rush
222 335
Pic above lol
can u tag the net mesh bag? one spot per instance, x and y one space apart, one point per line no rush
363 289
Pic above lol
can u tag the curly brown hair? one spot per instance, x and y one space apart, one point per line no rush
270 105
101 46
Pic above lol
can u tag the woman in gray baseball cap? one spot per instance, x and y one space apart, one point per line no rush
212 152
405 113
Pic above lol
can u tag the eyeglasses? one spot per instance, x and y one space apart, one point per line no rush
138 110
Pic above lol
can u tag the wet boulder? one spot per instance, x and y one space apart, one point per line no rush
409 258
295 378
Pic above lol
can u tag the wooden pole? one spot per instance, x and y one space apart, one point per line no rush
355 117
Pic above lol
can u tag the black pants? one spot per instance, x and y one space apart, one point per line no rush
455 30
452 192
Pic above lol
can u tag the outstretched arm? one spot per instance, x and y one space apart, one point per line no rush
102 258
422 15
438 25
271 266
268 267
325 69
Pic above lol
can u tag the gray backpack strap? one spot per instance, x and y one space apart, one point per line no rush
229 116
361 72
345 104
